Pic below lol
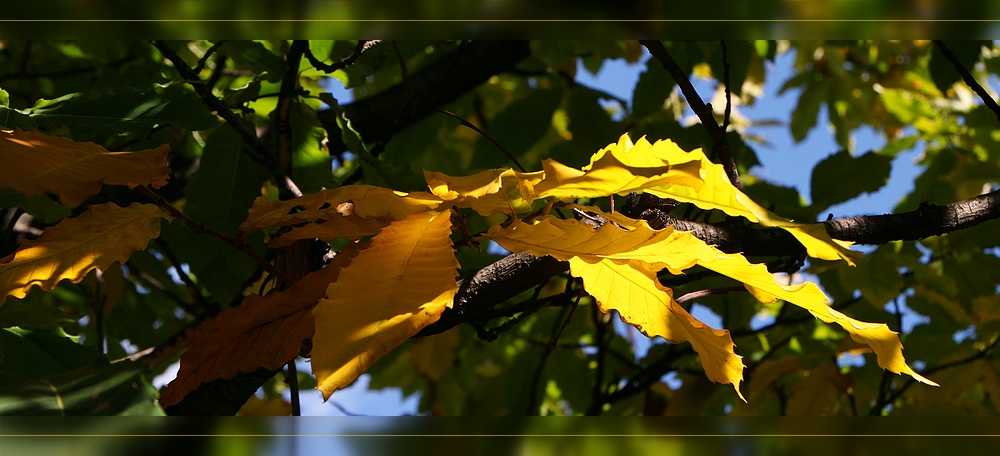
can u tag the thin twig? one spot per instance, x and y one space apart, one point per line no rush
200 228
987 351
208 54
186 278
719 142
702 293
558 330
483 133
402 61
725 77
362 46
260 152
293 386
969 80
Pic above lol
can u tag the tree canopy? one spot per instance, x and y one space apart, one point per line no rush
478 227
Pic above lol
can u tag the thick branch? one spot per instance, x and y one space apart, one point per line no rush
719 143
432 87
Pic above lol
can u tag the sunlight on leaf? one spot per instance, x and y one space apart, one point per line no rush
634 291
35 163
400 283
718 193
680 250
367 201
104 234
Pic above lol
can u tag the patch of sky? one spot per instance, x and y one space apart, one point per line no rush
847 359
965 334
706 316
173 272
672 381
911 318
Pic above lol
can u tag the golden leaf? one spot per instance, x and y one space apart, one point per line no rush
678 250
495 190
395 287
607 175
352 227
634 291
367 201
718 192
102 235
264 331
36 163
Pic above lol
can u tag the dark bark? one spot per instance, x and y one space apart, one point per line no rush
432 87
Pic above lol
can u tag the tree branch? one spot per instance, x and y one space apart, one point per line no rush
261 154
719 143
428 89
969 80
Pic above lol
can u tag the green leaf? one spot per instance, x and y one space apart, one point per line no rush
517 128
42 353
43 208
875 276
590 124
219 195
240 95
943 72
255 57
99 115
841 177
652 90
311 164
100 389
806 111
30 314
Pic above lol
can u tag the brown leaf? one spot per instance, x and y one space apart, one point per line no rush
264 331
36 163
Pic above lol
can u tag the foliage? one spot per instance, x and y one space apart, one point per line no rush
286 223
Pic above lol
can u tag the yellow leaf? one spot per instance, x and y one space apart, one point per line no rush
102 235
634 291
36 163
434 356
366 201
495 190
679 250
400 283
352 227
607 175
263 331
718 192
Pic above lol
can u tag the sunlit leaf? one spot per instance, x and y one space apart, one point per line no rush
104 234
366 201
634 291
35 163
397 285
679 250
718 193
